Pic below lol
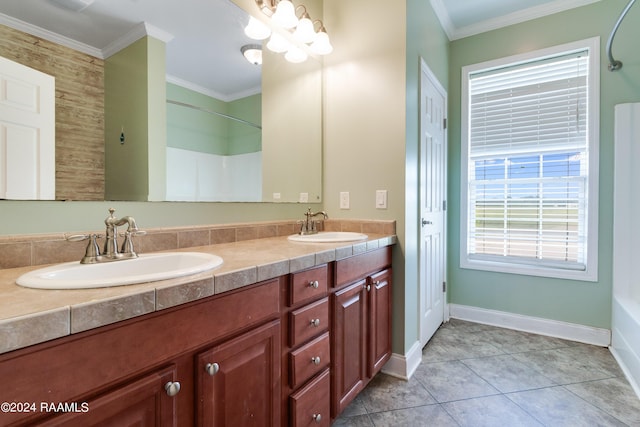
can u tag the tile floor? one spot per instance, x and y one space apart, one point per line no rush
478 375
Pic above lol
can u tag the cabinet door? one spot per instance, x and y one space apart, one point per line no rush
348 345
145 402
379 326
239 380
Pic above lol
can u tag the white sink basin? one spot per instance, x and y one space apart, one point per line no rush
145 268
329 237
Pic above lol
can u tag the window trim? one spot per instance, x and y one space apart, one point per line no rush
593 138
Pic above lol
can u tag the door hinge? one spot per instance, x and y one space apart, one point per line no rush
444 123
444 286
444 205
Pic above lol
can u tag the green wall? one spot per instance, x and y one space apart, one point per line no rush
426 40
195 130
585 303
126 92
135 106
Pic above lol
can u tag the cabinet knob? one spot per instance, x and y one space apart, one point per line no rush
317 418
172 388
315 360
212 368
315 322
314 284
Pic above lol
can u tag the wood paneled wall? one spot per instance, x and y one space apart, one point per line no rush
79 110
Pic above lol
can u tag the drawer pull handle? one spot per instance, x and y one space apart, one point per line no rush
314 284
212 368
172 388
315 360
317 418
315 322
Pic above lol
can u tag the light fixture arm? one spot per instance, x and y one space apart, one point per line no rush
268 7
305 14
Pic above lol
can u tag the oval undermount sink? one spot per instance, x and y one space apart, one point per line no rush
329 237
145 268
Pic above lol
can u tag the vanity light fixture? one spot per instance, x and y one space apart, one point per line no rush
304 38
253 53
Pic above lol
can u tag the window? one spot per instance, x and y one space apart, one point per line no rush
530 163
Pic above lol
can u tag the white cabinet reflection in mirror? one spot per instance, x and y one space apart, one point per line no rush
198 177
27 133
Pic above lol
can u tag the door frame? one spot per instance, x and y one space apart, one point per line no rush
425 72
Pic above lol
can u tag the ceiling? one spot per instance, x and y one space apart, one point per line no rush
204 36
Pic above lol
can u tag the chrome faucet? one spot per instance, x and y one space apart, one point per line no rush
111 252
309 225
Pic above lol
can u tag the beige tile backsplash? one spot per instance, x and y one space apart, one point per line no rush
30 250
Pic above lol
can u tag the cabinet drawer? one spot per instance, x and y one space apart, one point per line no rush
308 321
308 285
350 269
310 405
308 360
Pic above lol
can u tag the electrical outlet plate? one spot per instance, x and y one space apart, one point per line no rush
304 197
344 200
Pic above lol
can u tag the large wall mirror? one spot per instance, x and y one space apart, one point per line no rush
260 139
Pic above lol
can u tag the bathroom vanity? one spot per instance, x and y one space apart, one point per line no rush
282 334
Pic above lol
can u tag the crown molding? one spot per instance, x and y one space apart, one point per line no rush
454 33
34 30
208 92
444 18
136 33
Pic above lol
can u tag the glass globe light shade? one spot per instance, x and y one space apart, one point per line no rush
321 45
295 55
277 43
304 31
285 15
256 29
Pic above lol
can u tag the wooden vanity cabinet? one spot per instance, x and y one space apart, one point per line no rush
238 380
290 351
306 355
130 370
361 324
144 402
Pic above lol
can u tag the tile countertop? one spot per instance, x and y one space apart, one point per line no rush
30 316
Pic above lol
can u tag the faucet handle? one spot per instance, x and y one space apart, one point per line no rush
92 252
76 237
133 233
127 249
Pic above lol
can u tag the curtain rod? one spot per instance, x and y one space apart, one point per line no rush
205 110
614 64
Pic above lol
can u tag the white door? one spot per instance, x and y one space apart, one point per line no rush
27 132
433 186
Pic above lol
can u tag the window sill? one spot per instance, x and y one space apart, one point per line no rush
588 275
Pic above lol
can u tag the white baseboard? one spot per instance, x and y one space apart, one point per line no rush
553 328
403 366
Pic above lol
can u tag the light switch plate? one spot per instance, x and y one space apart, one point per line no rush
381 199
344 200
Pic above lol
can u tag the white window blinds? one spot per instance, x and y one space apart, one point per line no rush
528 163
